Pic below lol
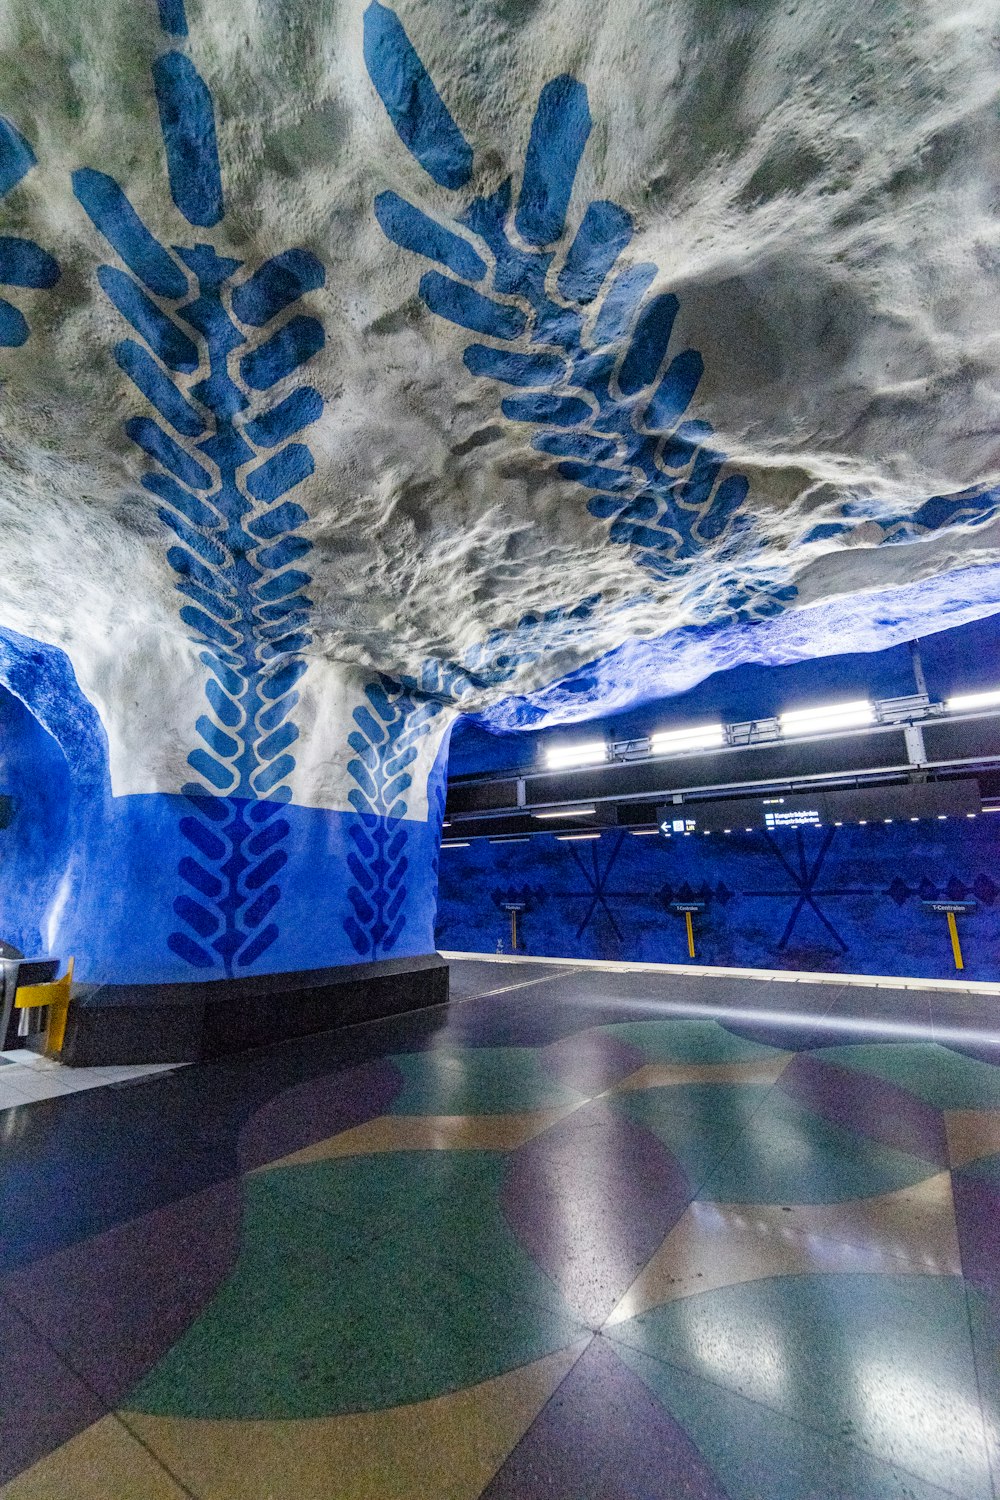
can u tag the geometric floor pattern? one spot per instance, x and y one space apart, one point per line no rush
614 1237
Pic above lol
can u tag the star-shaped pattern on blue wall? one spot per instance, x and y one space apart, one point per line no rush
805 888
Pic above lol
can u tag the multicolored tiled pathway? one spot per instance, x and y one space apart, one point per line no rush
576 1235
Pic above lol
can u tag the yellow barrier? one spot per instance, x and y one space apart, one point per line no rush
56 996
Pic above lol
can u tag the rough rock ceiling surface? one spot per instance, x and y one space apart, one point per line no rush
472 343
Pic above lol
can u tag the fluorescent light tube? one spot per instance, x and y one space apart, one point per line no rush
567 837
969 701
643 833
454 843
512 838
567 812
592 753
696 737
826 716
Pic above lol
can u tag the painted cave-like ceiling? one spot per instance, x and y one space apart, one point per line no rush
481 342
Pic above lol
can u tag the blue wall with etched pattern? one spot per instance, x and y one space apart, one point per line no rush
843 900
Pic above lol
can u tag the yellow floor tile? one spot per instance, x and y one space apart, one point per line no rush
444 1449
101 1463
675 1075
721 1244
427 1133
972 1133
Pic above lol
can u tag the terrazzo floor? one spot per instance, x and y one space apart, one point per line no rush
580 1235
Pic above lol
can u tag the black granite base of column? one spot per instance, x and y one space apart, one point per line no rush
118 1024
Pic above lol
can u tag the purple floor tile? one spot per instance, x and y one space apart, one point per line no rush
590 1201
42 1403
590 1062
871 1106
114 1304
977 1210
321 1107
604 1436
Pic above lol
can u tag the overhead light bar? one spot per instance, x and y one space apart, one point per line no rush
568 837
567 812
696 737
591 753
967 702
454 843
827 716
512 838
644 833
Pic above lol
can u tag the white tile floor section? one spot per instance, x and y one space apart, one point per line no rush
25 1077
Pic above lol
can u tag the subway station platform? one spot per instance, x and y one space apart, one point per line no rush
586 1232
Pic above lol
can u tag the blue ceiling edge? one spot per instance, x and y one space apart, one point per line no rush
648 671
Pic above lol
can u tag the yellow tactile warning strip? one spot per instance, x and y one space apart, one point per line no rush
911 1231
427 1133
101 1463
449 1447
972 1133
675 1075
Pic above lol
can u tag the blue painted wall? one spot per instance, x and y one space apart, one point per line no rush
841 900
34 847
125 901
120 857
107 879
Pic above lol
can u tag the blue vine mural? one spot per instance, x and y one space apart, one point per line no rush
584 357
385 744
223 465
388 728
22 262
970 507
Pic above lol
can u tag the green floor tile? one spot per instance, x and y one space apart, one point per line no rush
687 1042
746 1143
477 1081
946 1079
325 1313
759 1454
883 1363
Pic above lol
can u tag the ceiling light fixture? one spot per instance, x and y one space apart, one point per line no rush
567 812
645 833
567 837
968 702
592 753
512 838
454 843
697 737
827 716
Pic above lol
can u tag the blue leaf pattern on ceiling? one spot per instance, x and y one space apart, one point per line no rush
598 383
22 262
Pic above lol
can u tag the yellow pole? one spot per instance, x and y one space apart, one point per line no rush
690 931
513 930
956 946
